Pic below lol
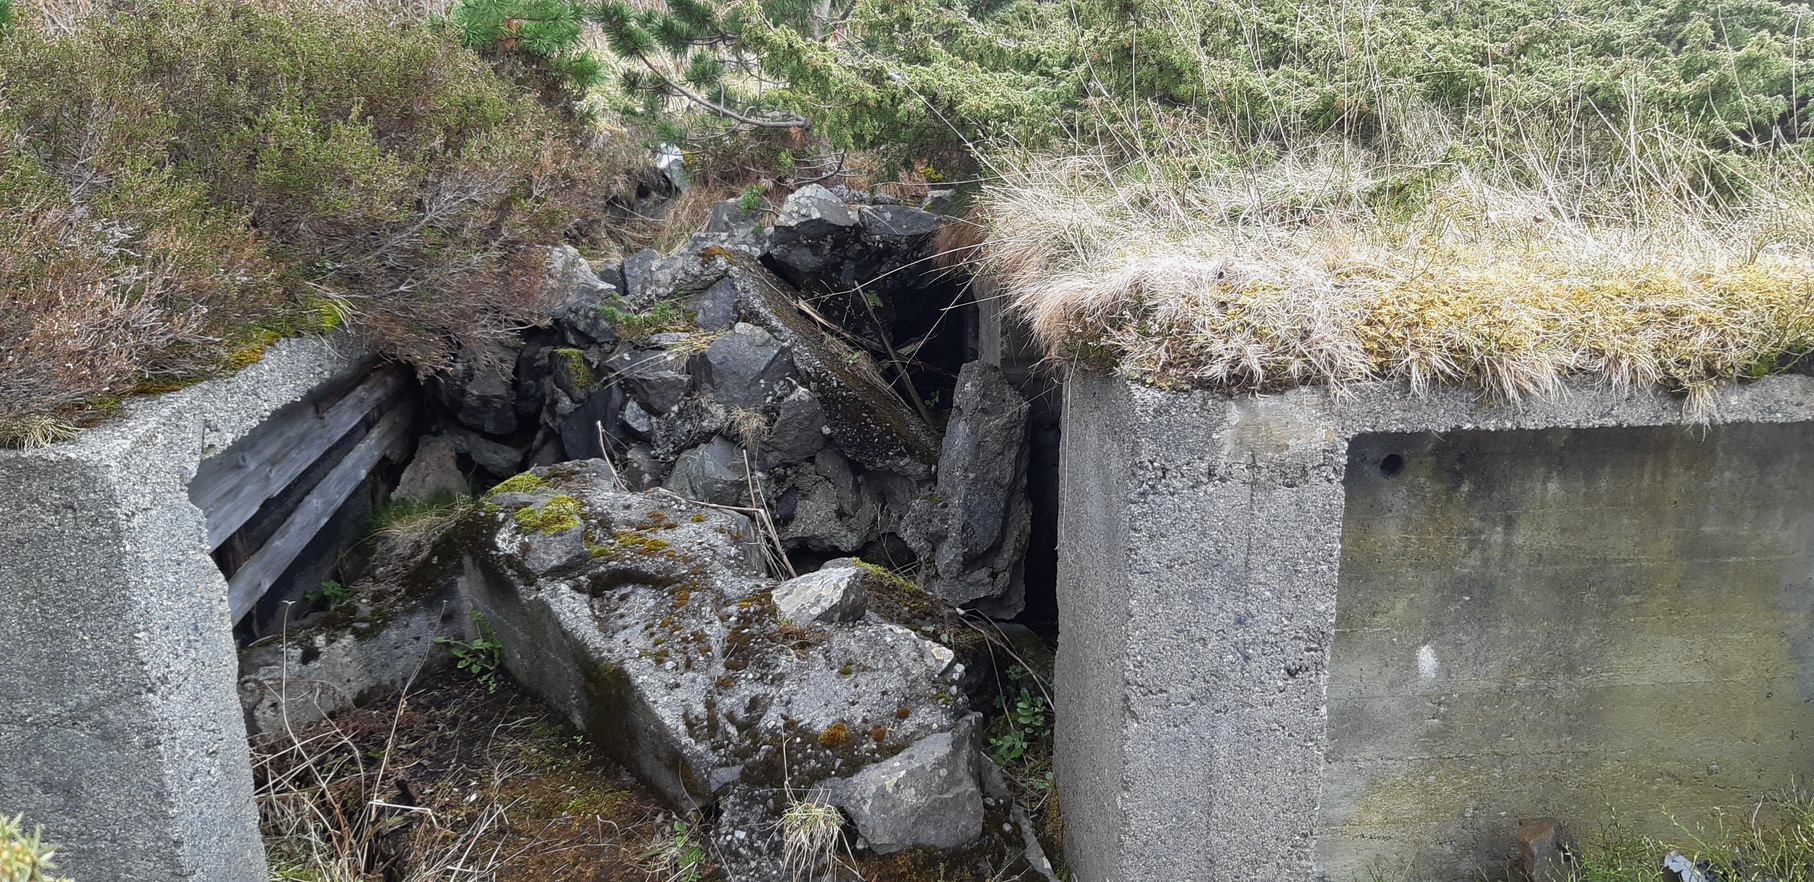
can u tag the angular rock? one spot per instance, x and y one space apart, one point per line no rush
639 269
693 267
691 424
744 368
972 532
926 796
580 317
711 472
728 217
655 378
899 225
715 308
580 428
572 370
495 457
798 431
480 388
665 647
811 233
831 510
640 469
636 422
431 472
835 593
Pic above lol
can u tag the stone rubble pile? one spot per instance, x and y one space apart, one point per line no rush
750 368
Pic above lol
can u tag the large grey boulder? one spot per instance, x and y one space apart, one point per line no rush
811 233
639 278
580 317
799 430
715 307
656 379
433 471
927 795
744 368
493 456
972 531
692 423
666 647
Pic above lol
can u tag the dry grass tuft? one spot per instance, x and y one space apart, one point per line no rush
810 834
1512 205
1300 274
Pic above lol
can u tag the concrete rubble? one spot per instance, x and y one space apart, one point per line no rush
642 619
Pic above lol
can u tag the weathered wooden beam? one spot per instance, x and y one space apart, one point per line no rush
390 436
230 487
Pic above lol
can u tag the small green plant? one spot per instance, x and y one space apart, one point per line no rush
681 856
750 199
331 595
483 657
1023 723
25 858
666 315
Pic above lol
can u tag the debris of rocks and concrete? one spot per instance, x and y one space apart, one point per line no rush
806 360
644 619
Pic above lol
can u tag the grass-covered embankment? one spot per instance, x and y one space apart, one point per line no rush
1497 192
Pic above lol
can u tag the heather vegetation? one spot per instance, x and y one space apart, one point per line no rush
185 183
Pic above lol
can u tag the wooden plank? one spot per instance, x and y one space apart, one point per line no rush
389 436
231 487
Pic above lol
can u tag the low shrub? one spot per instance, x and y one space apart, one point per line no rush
182 184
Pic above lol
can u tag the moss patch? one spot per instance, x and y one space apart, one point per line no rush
558 513
523 483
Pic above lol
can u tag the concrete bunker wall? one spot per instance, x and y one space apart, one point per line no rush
122 732
1305 635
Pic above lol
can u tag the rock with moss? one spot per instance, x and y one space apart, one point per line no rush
666 644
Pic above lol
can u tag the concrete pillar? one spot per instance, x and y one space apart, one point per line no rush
1196 626
121 731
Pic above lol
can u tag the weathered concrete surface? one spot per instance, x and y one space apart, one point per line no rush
122 732
1551 622
1201 554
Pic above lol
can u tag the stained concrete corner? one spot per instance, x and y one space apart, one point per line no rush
122 733
1220 719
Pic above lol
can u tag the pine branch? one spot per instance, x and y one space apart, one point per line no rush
790 122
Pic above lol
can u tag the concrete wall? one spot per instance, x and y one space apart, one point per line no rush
122 732
1243 683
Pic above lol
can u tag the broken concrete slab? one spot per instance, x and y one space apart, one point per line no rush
666 647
